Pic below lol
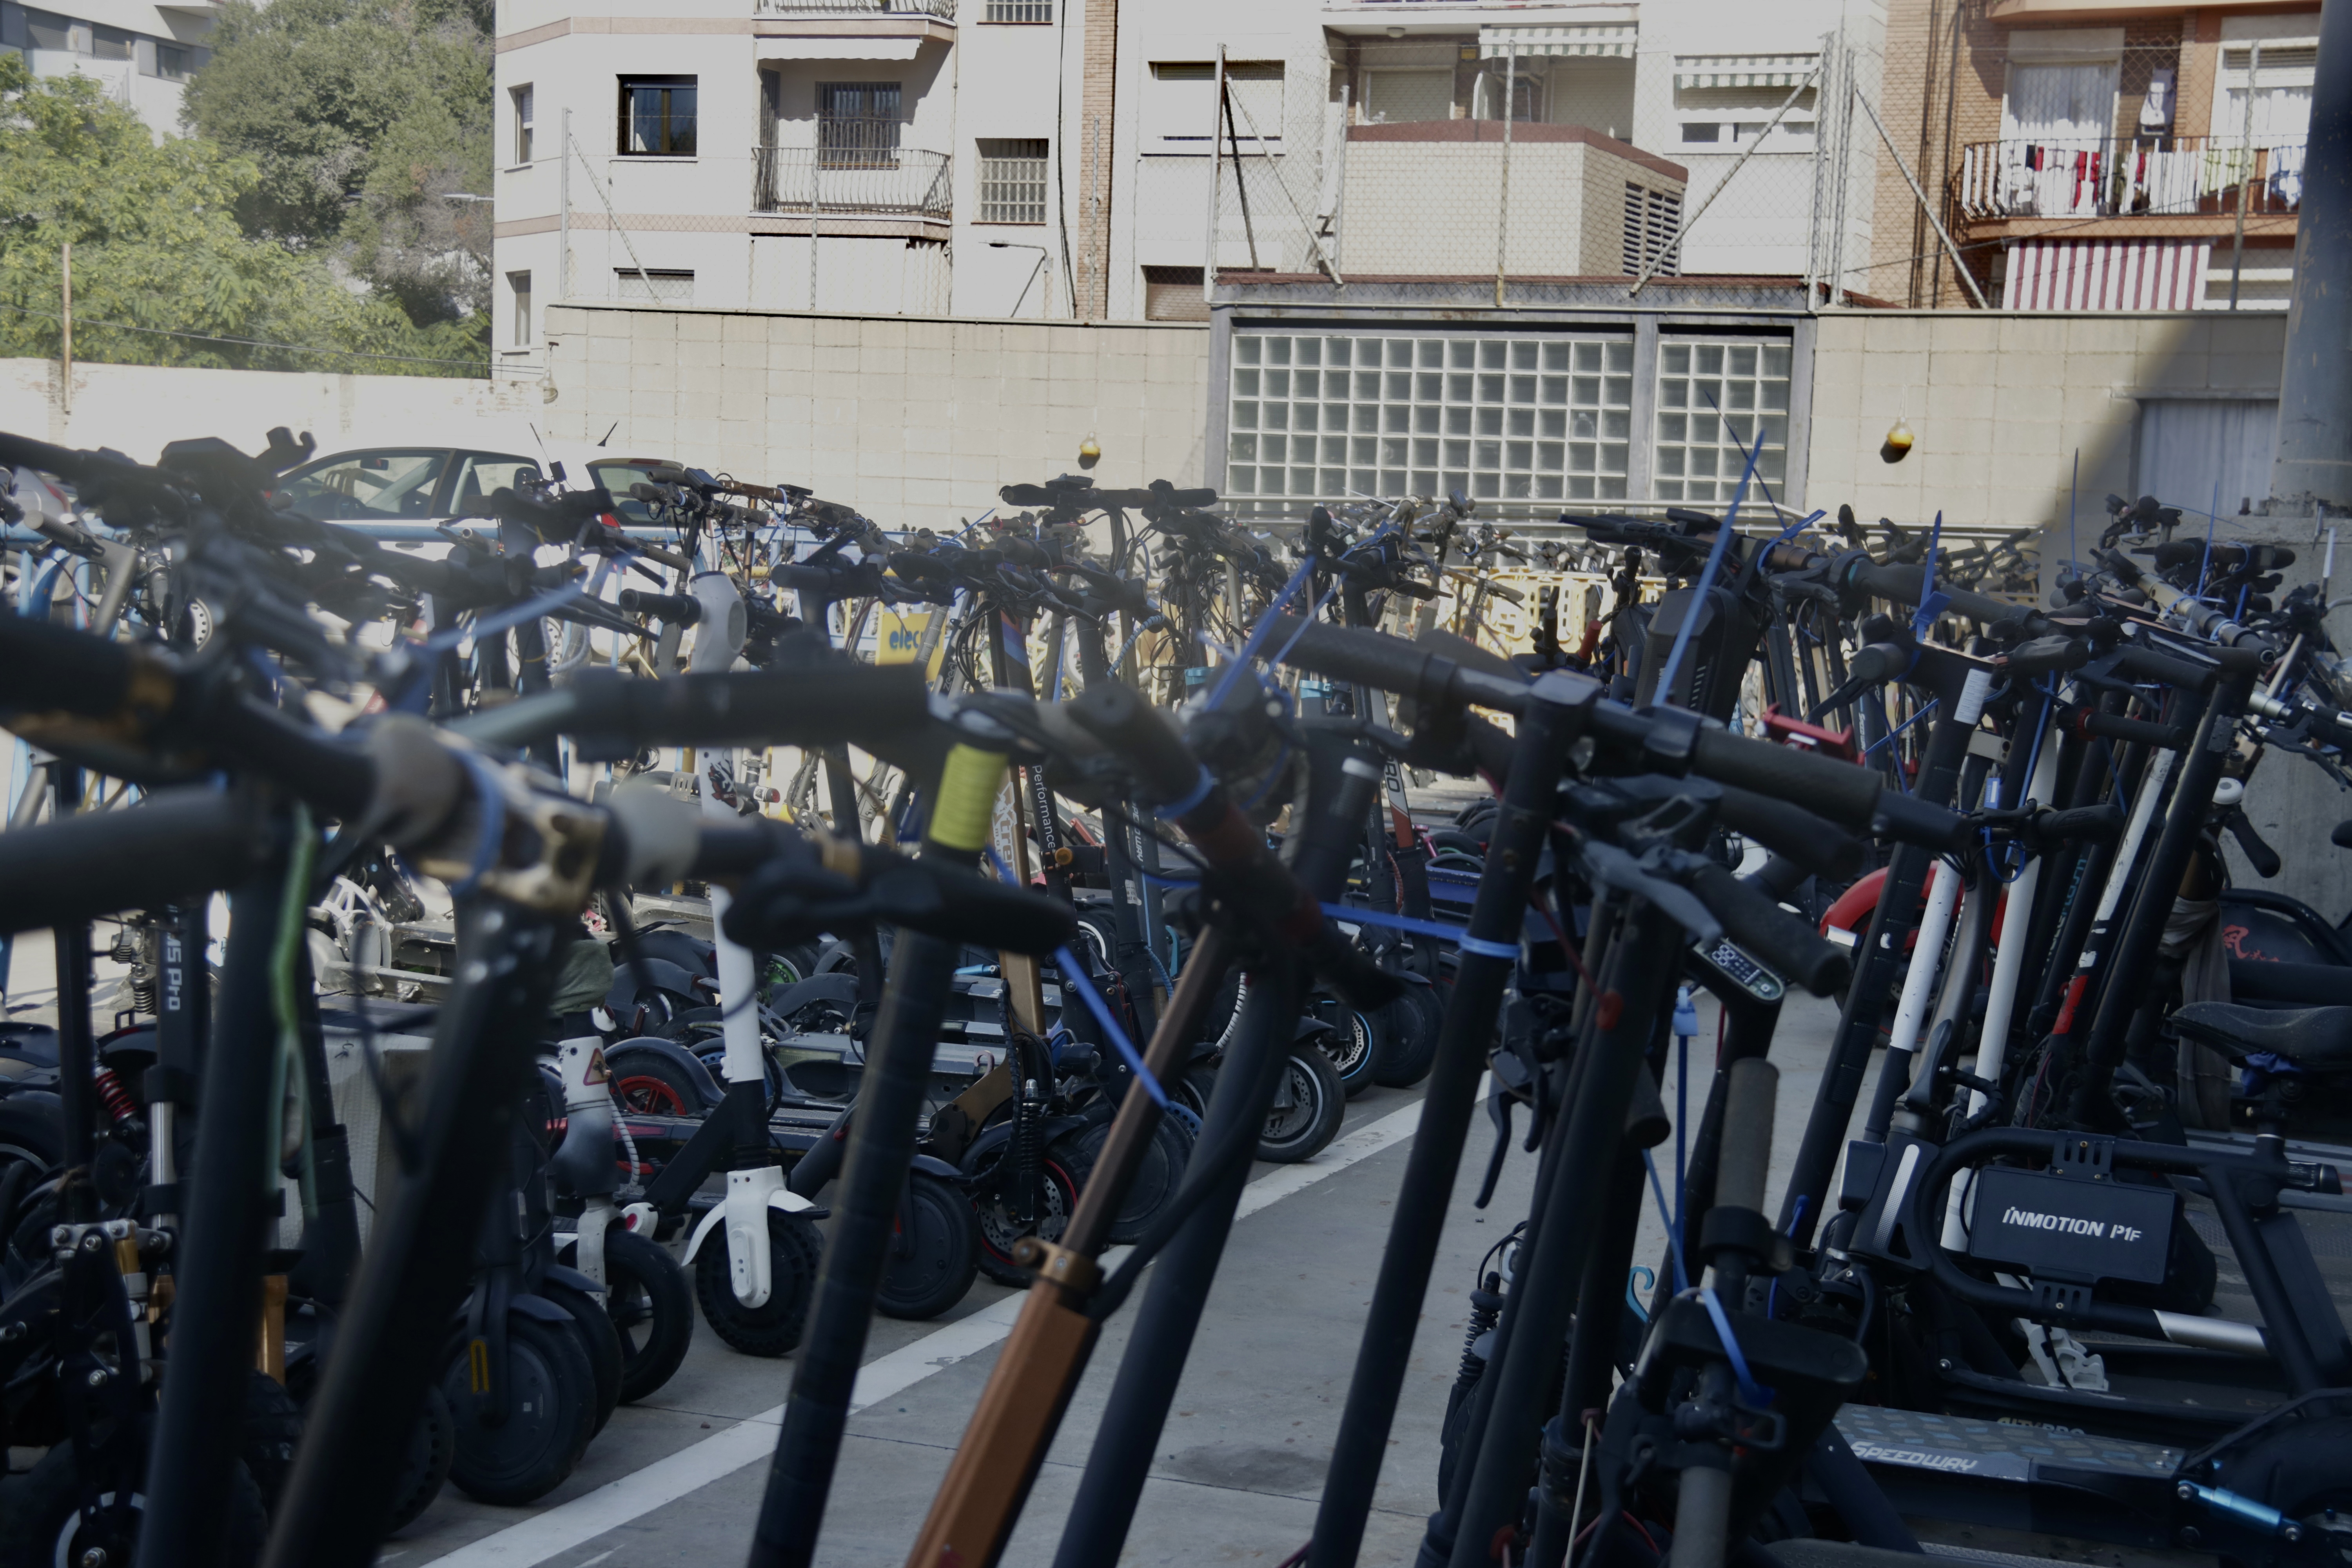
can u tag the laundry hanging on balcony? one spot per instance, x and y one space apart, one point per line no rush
1583 40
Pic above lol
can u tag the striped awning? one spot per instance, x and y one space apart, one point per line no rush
1609 40
1742 70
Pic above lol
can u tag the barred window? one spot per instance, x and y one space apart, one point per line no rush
1012 179
1651 219
1535 419
1715 400
1018 11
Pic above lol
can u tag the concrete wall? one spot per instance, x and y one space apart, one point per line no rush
136 408
915 421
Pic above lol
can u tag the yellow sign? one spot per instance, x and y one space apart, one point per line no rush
899 637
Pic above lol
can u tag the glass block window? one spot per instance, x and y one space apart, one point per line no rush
1012 179
1714 399
1533 419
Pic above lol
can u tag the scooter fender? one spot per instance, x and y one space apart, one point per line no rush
539 1307
743 1213
997 1136
573 1278
932 1165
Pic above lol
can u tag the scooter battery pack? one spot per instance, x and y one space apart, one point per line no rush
2067 1227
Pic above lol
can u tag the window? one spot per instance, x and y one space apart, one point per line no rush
656 285
1174 294
1012 179
46 30
858 124
2279 80
481 475
616 476
518 283
1536 419
1651 220
371 487
658 117
1527 95
175 62
1714 401
1018 11
1702 131
111 43
1181 105
522 117
1397 97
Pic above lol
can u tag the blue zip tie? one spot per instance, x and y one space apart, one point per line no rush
1458 935
1898 728
1931 604
1074 978
512 615
1758 1396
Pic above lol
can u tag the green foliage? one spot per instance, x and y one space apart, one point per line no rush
157 245
360 116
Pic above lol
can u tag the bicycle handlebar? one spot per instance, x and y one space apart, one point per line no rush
173 844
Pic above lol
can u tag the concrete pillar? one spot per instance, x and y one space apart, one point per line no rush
2314 451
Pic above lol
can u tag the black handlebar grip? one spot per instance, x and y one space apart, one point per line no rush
1115 713
945 901
2142 732
1199 496
46 667
2046 655
1025 495
1907 819
2149 664
314 767
1878 661
1356 654
1843 792
2083 821
680 609
1784 943
2259 854
173 844
843 702
1903 585
1792 833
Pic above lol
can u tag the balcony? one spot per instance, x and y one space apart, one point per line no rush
853 182
937 10
2178 184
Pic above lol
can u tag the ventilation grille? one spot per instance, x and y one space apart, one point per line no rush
1651 219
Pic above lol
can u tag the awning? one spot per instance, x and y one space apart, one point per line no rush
1606 40
1743 70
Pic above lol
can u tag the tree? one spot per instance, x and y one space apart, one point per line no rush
360 116
162 272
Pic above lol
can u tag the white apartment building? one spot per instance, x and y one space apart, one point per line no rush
1052 158
143 54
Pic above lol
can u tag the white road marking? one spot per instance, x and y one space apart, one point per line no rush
750 1442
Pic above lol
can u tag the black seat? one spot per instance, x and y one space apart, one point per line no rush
2315 1037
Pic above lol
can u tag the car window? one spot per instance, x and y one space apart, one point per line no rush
482 474
367 487
616 475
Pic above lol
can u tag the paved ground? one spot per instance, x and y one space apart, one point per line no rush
678 1479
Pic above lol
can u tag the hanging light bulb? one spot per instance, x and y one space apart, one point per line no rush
1897 445
1089 452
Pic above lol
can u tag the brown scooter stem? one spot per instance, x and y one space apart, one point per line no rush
989 1480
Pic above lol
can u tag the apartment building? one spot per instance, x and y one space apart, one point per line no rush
1073 158
143 54
2089 156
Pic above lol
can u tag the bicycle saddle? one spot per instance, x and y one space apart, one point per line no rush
2318 1038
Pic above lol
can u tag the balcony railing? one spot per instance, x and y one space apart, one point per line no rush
852 181
940 10
2146 176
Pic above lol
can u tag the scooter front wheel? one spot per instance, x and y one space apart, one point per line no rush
773 1327
934 1252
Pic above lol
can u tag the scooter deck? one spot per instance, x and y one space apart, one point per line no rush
2043 1478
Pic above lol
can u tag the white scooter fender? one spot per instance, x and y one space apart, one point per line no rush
750 1195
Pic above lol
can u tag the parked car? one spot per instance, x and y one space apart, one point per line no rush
400 484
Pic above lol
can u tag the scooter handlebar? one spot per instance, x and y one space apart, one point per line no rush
1754 919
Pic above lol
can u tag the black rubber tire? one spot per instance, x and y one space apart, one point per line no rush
942 1262
598 1337
651 1309
432 1449
1413 1023
651 1084
1156 1179
772 1329
273 1430
1307 1129
538 1445
40 1518
1058 1195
